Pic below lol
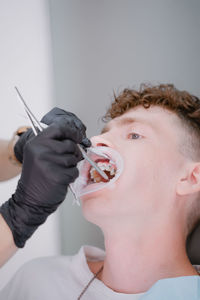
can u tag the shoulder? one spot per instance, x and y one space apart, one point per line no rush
52 277
37 278
46 264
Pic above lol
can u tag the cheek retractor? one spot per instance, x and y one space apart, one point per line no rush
109 160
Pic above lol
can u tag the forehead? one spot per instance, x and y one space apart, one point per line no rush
156 117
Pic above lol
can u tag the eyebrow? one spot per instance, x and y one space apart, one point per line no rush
127 121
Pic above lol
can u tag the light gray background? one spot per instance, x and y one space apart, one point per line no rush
25 61
105 45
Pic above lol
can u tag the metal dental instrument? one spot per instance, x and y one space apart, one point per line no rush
93 164
36 126
30 115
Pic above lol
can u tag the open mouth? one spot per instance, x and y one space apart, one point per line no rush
108 167
89 180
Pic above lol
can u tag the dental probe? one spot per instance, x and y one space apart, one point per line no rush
37 127
93 164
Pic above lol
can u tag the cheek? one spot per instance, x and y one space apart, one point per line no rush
140 179
138 169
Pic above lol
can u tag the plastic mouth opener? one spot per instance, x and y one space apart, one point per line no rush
38 127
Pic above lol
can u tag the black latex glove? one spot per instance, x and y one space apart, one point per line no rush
49 166
56 114
51 117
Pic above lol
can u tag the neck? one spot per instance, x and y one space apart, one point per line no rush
135 261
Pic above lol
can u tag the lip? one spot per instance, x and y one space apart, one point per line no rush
81 186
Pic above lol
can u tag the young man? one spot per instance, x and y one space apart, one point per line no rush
145 216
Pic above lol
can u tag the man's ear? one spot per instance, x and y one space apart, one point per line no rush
190 183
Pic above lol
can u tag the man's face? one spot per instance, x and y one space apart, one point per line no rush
147 140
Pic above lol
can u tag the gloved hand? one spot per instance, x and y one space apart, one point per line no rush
56 114
49 166
51 117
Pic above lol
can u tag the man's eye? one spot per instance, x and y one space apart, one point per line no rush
134 136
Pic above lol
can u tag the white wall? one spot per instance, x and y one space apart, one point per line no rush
25 61
103 45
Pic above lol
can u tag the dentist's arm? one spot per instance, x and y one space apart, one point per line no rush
9 167
49 166
7 244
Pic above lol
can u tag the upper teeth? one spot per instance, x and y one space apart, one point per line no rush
104 167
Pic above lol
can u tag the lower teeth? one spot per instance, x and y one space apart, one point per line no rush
96 178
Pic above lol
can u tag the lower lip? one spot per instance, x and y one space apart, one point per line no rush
92 186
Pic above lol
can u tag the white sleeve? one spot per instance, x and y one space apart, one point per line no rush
18 286
31 282
39 279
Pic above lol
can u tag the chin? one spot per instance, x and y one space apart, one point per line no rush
93 200
96 206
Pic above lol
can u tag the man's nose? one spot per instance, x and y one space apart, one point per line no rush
100 140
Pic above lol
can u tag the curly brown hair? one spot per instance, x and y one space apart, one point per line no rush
185 105
182 103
